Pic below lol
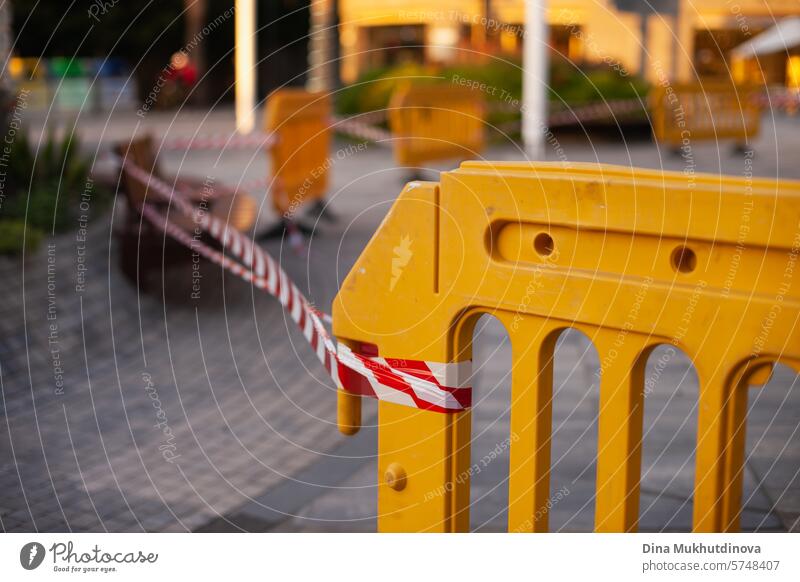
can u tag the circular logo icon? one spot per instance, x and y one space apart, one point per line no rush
31 555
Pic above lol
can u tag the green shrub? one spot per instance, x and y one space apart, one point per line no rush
12 235
503 77
44 189
374 89
571 84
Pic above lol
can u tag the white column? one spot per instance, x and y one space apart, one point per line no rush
535 81
322 41
245 65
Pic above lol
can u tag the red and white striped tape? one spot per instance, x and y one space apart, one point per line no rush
596 112
362 126
375 117
574 115
365 126
220 141
257 184
419 384
440 387
781 98
359 127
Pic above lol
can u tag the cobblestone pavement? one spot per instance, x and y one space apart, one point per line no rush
251 442
172 411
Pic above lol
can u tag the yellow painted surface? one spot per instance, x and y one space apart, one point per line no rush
793 72
606 33
762 7
660 48
394 12
613 37
300 159
436 122
627 256
739 70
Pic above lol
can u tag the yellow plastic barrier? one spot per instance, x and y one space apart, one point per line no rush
630 257
300 159
684 113
436 122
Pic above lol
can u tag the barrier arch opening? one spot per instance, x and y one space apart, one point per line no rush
532 495
669 440
743 496
490 441
772 402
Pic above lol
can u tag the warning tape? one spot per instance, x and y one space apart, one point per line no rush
220 141
257 184
439 387
362 126
366 126
374 117
596 112
788 99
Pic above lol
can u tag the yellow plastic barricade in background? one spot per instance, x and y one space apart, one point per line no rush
627 256
300 159
436 122
689 112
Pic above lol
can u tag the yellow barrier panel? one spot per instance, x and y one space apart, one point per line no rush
684 113
300 158
634 259
435 122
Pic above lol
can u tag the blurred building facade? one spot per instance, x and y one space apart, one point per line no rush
660 39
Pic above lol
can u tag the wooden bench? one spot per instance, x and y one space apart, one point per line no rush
144 247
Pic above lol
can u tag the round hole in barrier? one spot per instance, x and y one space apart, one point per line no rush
544 244
684 260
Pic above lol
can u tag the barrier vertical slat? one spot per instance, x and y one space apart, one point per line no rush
736 425
431 448
531 424
753 374
460 463
619 437
711 446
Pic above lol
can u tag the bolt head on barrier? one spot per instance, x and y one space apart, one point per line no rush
395 476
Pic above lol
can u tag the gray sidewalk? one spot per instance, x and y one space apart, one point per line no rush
250 412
